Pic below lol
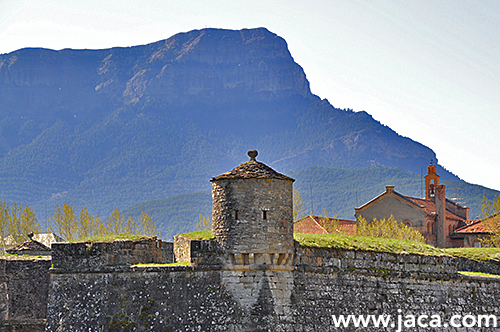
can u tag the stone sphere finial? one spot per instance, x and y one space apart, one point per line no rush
252 154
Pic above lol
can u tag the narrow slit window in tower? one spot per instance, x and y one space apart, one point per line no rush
264 214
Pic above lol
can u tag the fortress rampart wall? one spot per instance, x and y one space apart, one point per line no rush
209 296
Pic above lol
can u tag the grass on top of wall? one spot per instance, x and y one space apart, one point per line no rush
164 264
199 235
350 242
478 274
111 238
477 254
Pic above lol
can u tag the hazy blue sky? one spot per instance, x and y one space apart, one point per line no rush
430 70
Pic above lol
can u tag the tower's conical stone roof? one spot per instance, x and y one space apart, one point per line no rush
252 169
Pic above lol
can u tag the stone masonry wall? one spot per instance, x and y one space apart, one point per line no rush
196 252
142 298
210 297
377 263
339 282
318 296
24 288
492 266
95 254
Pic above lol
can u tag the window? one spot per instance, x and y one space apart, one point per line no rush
264 214
235 214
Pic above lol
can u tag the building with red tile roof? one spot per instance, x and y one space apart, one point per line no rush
435 216
473 233
319 225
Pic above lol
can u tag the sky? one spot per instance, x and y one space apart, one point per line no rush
429 70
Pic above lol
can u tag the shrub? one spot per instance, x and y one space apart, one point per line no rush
389 228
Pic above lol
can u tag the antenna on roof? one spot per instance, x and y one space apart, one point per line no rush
457 199
311 194
421 181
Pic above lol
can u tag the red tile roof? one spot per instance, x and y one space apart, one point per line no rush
308 225
313 224
477 226
430 208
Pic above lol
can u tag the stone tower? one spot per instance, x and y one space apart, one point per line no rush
252 216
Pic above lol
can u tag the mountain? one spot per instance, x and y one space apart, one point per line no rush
115 127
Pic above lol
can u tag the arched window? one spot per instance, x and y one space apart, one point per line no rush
429 227
407 223
431 189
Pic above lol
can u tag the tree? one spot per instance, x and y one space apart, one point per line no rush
491 212
331 225
85 226
299 206
131 226
203 223
389 228
489 208
28 222
493 224
65 222
147 224
5 222
90 225
22 221
116 222
15 223
99 227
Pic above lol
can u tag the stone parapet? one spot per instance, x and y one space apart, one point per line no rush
167 252
37 325
93 255
197 252
375 263
492 266
24 287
